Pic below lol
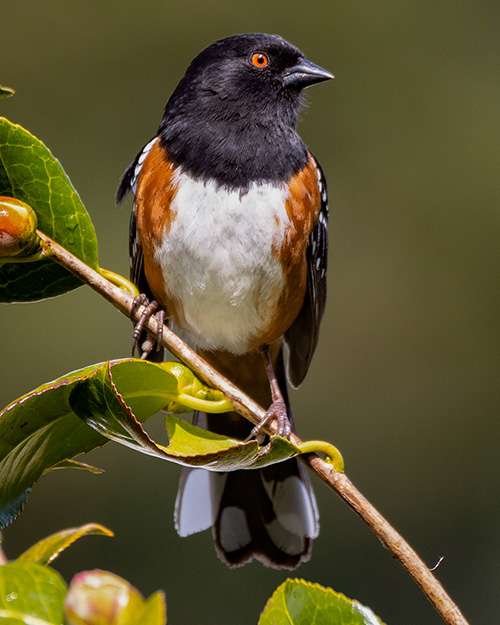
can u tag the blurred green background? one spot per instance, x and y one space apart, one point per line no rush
406 378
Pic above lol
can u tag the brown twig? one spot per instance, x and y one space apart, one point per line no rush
244 405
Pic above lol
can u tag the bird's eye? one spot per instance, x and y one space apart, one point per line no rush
259 59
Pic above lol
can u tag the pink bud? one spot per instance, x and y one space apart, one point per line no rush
101 598
17 227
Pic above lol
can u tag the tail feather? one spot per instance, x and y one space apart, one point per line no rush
197 501
269 514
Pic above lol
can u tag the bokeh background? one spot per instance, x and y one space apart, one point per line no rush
406 378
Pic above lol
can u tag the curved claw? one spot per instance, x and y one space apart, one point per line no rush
160 318
277 412
151 309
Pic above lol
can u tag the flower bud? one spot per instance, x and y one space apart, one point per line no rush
17 227
102 598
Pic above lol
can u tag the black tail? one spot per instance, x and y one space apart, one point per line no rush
268 514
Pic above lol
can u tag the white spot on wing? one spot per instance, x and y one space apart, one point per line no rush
286 541
293 507
234 532
137 170
198 501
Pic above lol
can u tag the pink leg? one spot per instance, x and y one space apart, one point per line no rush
277 410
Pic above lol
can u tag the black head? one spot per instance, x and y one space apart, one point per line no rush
238 97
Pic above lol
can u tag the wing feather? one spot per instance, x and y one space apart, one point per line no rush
302 336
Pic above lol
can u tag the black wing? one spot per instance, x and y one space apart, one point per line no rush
137 275
302 336
129 179
127 184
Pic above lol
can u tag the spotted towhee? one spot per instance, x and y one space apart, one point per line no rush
229 236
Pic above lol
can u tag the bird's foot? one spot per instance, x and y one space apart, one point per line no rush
276 412
151 310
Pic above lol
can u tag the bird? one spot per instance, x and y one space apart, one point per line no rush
228 243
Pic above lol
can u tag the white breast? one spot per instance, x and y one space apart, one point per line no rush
217 260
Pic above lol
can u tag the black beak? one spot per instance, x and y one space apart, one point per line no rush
304 73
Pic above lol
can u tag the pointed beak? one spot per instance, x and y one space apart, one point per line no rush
304 73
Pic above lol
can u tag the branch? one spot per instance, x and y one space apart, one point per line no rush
244 405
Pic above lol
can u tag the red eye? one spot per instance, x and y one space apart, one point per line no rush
259 59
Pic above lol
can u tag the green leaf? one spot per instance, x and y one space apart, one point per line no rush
31 594
111 408
6 92
297 602
74 464
49 548
37 432
155 609
192 446
30 173
41 430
